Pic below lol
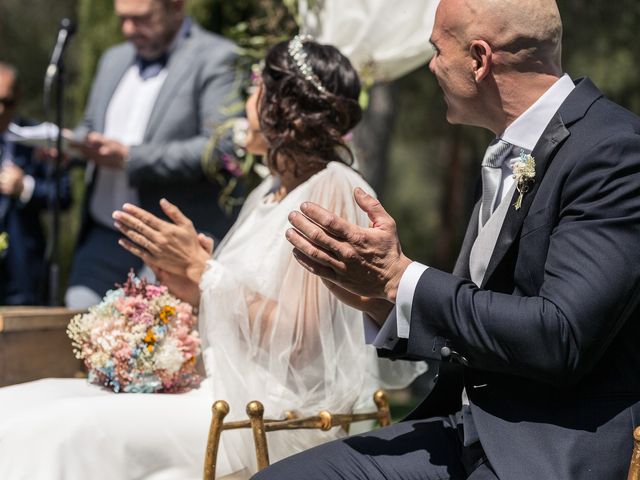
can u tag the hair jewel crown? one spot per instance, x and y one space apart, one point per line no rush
299 56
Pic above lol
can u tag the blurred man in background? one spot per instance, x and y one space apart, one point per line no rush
154 102
24 193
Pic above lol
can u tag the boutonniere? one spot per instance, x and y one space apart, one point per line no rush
524 172
4 243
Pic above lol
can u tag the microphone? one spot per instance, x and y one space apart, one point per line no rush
67 29
54 72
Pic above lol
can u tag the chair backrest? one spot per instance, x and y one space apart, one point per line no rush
324 420
634 468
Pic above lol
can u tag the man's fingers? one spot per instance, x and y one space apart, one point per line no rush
373 208
344 295
315 233
94 140
314 267
314 253
329 221
174 212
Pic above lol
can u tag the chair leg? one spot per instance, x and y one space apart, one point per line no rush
255 410
634 468
219 410
384 413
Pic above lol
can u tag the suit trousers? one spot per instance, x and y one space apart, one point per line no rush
410 450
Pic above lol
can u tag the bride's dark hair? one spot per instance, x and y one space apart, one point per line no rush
300 122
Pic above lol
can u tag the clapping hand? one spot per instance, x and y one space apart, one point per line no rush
361 266
174 248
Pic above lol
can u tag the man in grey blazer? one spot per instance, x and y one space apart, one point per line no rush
154 102
542 313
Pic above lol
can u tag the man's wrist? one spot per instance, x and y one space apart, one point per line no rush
398 269
379 309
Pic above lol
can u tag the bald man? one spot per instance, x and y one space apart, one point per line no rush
541 314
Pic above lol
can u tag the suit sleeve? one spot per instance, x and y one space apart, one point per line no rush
218 99
590 285
43 188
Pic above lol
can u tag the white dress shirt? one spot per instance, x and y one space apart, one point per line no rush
126 121
523 133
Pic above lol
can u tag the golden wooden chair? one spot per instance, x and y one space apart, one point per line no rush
634 468
260 426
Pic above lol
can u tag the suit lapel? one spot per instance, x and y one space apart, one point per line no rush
180 65
573 109
112 80
551 139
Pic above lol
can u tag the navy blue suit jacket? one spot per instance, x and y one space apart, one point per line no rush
22 268
552 336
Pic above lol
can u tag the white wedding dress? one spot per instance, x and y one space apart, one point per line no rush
271 331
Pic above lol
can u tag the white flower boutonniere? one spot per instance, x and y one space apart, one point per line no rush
524 172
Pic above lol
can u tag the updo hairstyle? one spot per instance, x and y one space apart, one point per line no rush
300 122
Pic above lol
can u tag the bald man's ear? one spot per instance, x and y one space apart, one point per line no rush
482 59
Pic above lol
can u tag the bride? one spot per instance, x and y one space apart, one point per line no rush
271 331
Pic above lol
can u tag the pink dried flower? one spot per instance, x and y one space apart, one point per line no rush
128 346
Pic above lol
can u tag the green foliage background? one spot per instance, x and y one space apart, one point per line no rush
433 166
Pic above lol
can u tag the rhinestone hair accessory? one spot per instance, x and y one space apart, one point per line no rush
299 56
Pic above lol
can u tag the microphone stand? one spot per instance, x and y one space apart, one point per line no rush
55 72
54 200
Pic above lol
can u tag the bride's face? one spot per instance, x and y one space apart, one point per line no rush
256 141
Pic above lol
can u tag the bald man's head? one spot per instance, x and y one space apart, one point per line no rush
524 34
495 58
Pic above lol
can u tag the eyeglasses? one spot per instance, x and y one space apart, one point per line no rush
8 102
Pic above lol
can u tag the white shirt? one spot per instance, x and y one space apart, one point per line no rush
524 132
126 121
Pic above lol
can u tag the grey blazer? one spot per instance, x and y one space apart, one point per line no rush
202 90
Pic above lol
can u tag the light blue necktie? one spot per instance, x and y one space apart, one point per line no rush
491 171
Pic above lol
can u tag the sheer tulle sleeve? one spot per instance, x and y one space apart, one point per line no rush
271 330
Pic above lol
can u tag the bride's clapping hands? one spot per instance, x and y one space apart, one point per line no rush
175 248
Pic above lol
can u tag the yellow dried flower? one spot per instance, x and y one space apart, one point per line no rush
167 313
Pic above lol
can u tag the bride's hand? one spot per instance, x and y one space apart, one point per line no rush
206 243
173 247
181 287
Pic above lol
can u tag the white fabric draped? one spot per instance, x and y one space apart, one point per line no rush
384 39
286 340
272 332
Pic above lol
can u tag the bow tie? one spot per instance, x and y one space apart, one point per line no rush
151 68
